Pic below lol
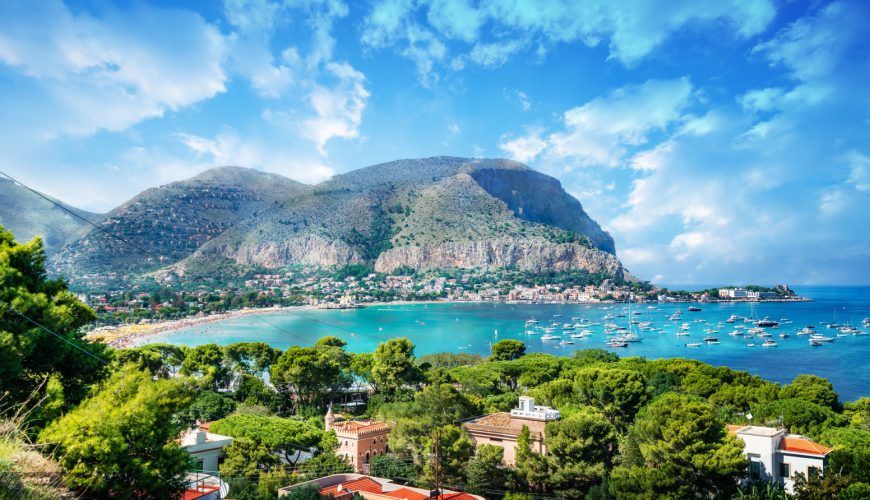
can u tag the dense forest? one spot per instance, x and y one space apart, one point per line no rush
80 418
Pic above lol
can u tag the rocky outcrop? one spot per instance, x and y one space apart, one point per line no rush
517 253
308 249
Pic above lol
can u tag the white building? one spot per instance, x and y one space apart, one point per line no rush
776 455
206 448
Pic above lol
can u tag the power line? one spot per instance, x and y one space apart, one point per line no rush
71 212
61 337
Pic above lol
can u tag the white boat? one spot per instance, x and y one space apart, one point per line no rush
682 333
693 344
566 342
531 321
821 338
547 336
735 333
732 318
532 332
750 345
769 343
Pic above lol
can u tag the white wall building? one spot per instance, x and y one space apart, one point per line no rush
776 455
206 448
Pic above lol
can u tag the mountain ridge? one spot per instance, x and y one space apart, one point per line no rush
422 213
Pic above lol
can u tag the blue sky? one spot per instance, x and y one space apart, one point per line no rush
718 141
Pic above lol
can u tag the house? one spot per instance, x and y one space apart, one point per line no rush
346 486
359 440
206 448
503 428
776 455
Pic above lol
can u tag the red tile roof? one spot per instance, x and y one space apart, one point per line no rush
198 492
406 494
803 445
366 484
456 496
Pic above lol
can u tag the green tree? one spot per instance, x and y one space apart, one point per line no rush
30 354
304 375
282 436
618 393
251 357
442 404
851 452
209 406
507 350
486 472
532 471
798 416
392 468
247 457
681 451
206 363
120 441
580 448
821 487
393 366
813 389
455 450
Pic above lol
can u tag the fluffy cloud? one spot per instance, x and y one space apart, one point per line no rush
107 71
339 108
490 33
601 131
764 190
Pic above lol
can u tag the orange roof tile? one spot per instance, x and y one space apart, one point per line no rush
366 484
360 425
406 494
803 445
732 428
456 496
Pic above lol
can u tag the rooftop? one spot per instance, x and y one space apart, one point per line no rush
757 430
801 444
358 426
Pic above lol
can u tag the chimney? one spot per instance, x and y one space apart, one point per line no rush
200 437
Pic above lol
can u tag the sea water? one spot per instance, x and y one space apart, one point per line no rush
473 327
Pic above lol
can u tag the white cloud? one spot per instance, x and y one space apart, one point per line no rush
339 109
111 69
859 170
494 30
228 148
526 148
601 131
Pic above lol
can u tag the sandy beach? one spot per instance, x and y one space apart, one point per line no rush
124 336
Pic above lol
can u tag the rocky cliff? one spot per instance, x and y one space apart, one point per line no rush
523 254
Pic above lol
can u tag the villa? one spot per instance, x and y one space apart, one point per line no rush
359 440
348 486
206 448
503 428
776 455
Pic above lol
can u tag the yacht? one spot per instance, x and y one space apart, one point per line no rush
566 342
693 344
732 318
783 335
769 343
548 336
693 309
821 338
531 322
767 322
710 338
617 343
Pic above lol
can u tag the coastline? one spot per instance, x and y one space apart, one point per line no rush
126 336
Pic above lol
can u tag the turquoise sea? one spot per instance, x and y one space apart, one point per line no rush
472 327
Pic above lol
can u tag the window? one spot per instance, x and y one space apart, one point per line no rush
754 469
199 465
368 459
813 472
784 470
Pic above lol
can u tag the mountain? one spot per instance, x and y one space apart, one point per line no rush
440 212
170 222
431 213
27 216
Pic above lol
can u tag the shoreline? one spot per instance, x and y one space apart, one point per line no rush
130 335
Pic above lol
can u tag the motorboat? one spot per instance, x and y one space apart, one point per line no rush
710 338
566 342
548 336
767 322
769 343
821 338
732 318
617 344
693 309
783 335
693 344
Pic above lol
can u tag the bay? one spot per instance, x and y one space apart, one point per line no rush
473 327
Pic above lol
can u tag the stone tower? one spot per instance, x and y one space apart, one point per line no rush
329 420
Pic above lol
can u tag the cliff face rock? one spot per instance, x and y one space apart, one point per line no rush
537 197
311 249
522 254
